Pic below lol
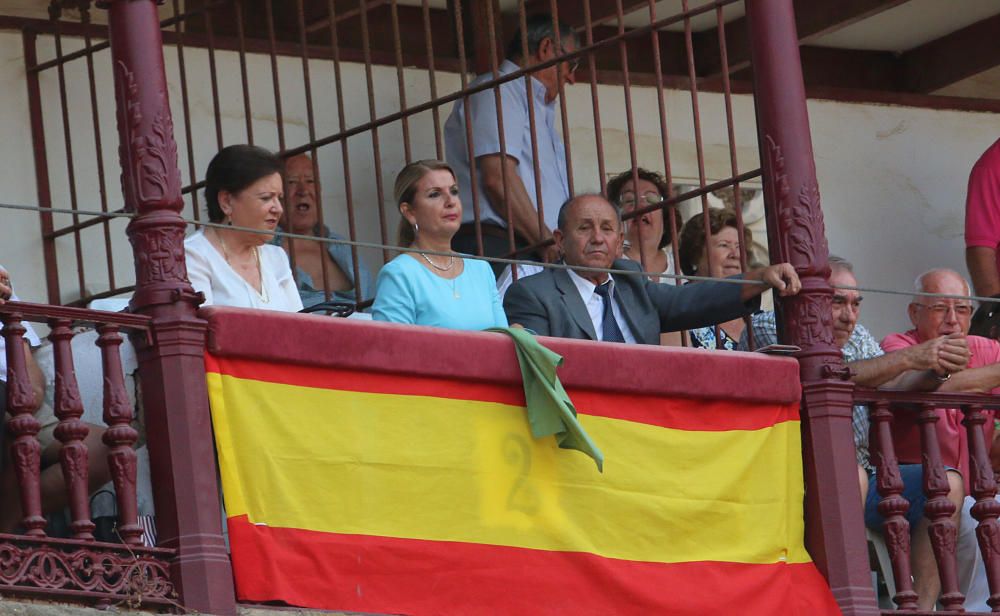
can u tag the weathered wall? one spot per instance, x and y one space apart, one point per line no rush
892 178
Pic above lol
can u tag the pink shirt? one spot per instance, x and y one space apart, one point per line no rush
952 436
982 202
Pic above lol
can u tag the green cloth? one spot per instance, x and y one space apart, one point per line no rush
550 411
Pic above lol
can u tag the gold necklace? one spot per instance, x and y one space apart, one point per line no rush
262 294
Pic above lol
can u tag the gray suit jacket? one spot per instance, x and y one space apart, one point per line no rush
549 304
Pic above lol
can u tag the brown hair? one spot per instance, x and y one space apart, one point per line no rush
692 237
406 187
617 184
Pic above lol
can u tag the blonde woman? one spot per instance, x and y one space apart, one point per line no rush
429 284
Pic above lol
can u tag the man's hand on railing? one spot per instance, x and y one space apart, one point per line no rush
944 355
781 277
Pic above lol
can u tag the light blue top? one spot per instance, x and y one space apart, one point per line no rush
408 292
517 141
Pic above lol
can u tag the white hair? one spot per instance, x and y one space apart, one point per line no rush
920 282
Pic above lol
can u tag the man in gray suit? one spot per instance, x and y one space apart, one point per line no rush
570 303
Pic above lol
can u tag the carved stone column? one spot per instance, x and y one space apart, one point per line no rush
834 525
172 370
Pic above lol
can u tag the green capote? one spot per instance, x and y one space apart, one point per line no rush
550 411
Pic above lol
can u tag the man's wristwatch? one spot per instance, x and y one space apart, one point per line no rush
942 379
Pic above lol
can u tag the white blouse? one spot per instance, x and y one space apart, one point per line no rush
209 273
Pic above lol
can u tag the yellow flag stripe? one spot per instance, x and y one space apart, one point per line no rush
456 470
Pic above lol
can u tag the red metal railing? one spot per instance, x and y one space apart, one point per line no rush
942 531
77 566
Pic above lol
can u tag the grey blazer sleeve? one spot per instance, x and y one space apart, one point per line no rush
698 305
524 307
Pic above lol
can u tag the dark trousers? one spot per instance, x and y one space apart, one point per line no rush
496 243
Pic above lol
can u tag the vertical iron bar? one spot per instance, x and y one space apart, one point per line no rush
629 119
494 68
463 75
699 146
344 150
376 150
275 80
213 74
99 150
592 70
554 10
68 140
243 70
192 173
532 127
398 48
311 125
435 112
29 43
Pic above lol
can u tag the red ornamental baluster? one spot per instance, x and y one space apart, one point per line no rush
938 510
986 509
892 506
26 452
71 431
120 436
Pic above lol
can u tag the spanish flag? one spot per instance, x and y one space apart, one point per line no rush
398 494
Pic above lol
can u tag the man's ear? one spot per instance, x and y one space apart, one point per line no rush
911 310
557 235
546 49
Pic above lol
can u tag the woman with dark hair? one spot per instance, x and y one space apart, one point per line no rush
647 238
237 267
421 286
718 257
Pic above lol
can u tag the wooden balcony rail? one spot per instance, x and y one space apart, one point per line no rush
72 562
939 510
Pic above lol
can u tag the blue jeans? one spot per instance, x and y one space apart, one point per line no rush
913 480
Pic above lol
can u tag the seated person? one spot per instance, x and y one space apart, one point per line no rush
719 257
914 368
53 489
593 305
302 202
243 188
647 240
424 289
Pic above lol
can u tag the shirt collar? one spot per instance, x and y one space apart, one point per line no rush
586 287
537 87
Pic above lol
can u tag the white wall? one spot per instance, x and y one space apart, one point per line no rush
892 178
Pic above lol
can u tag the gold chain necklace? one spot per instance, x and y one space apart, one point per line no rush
260 270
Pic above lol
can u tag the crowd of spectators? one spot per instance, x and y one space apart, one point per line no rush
518 178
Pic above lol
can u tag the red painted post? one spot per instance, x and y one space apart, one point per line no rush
25 451
71 430
986 509
172 370
939 509
892 506
834 526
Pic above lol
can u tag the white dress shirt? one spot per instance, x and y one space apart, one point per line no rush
595 306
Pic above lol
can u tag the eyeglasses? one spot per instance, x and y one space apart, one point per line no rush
573 65
940 310
629 200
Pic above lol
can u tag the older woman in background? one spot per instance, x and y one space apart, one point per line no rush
422 286
236 267
719 257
